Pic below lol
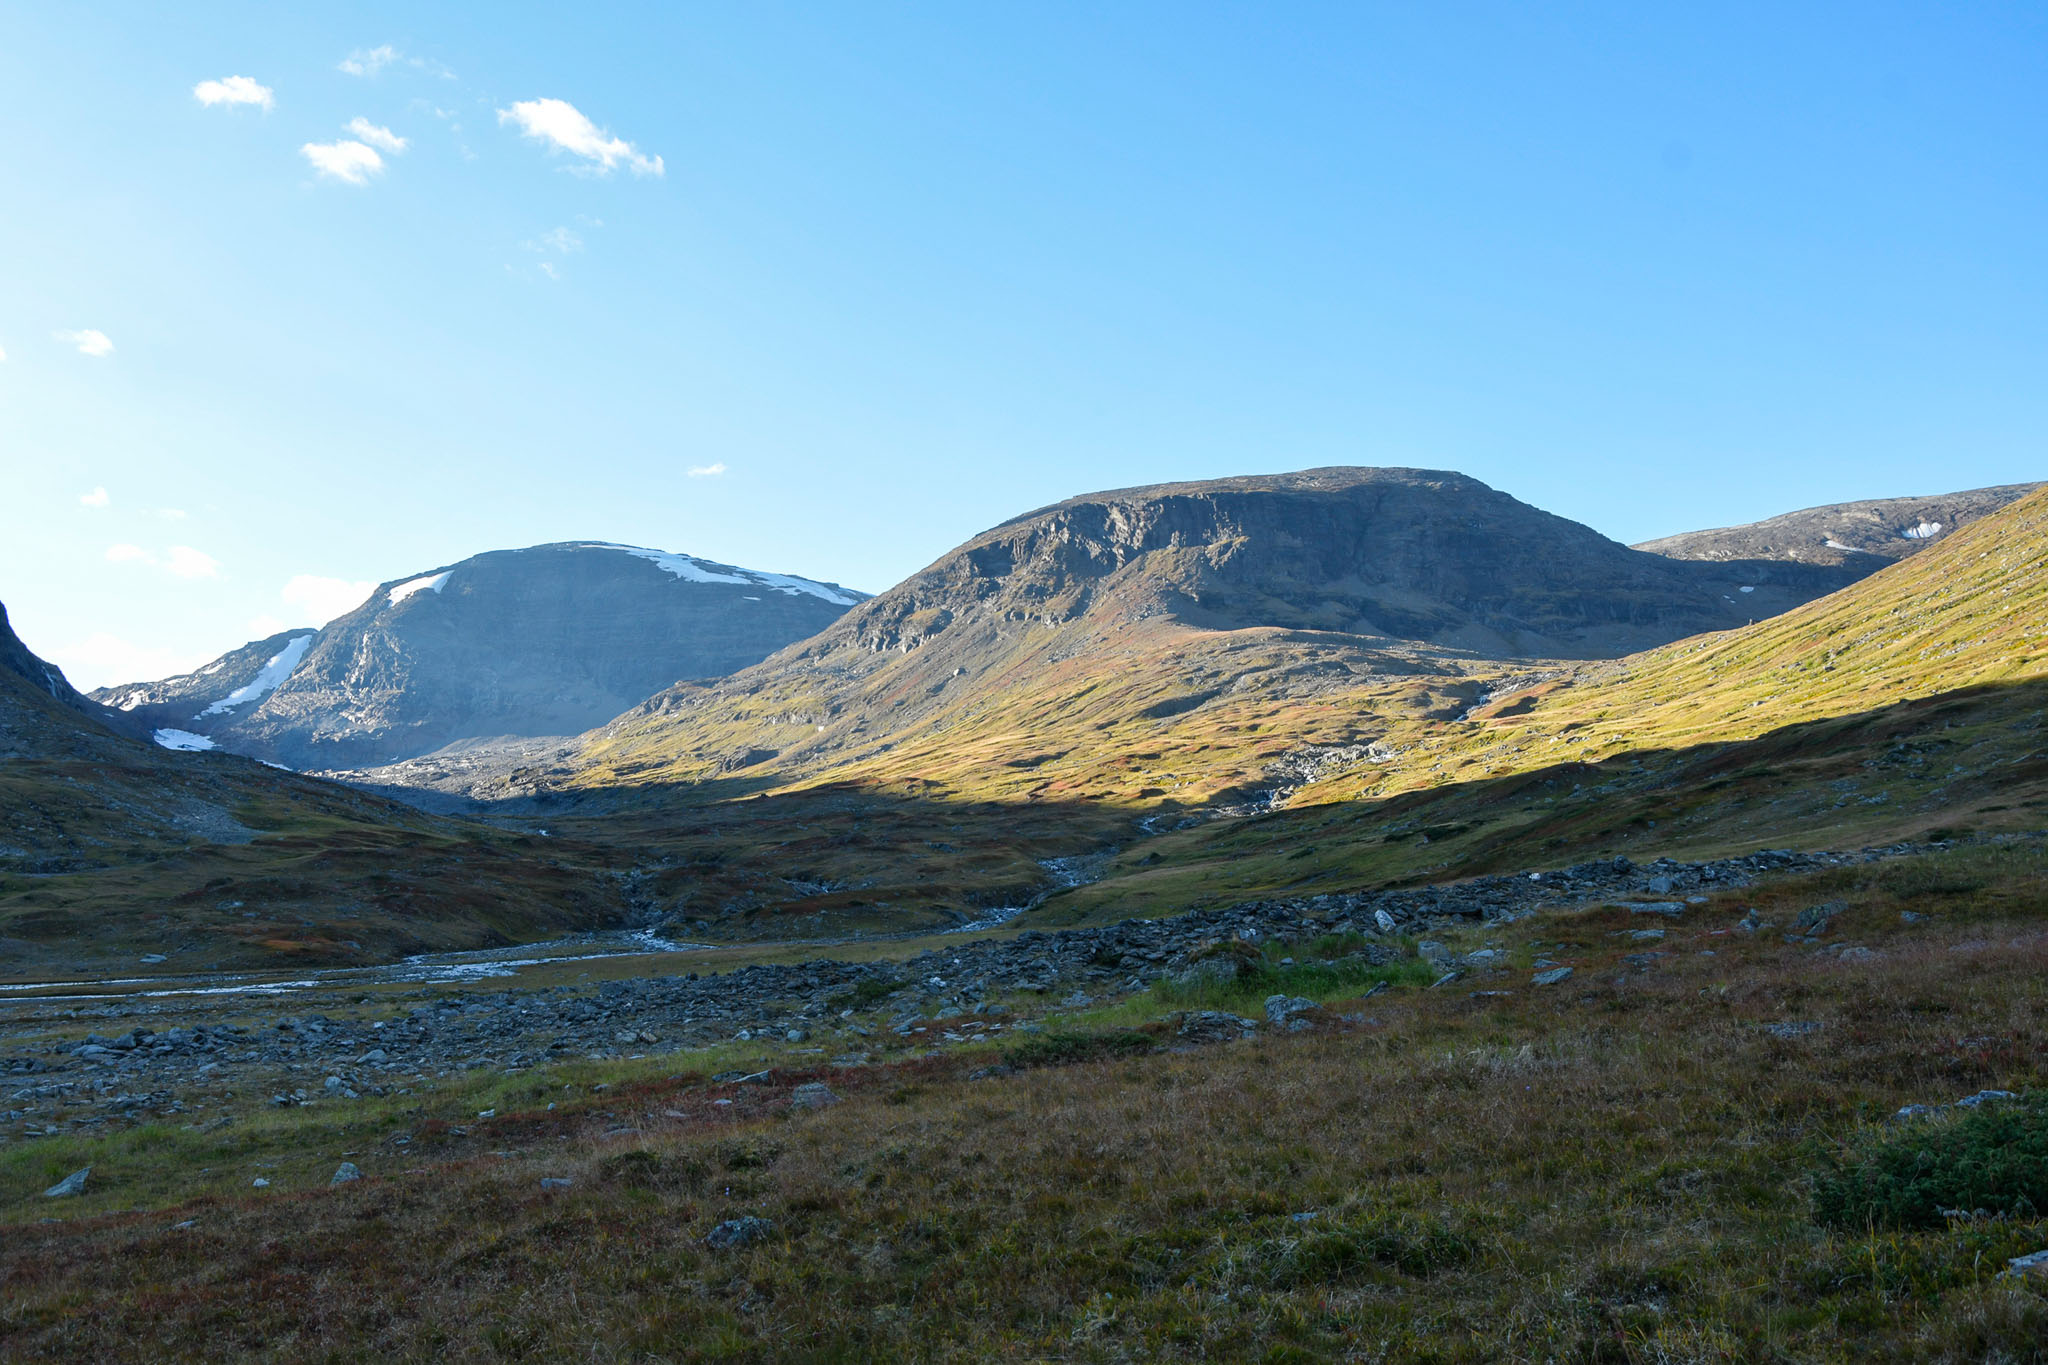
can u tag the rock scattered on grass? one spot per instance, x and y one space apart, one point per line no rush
1293 1013
69 1185
344 1173
1551 977
1216 1026
813 1095
738 1232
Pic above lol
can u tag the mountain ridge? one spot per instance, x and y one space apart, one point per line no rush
541 640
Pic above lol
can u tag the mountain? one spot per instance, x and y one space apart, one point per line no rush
1860 536
1906 706
114 847
549 640
1143 605
39 708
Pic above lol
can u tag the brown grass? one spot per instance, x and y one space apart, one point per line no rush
1613 1169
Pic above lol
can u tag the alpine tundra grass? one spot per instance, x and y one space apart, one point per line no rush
1622 1166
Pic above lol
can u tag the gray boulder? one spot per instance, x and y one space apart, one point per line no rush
344 1173
69 1185
1292 1013
1216 1026
738 1232
813 1095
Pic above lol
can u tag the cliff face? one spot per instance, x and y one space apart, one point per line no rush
543 641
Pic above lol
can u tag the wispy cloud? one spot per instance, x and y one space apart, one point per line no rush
89 341
562 240
232 90
379 137
563 126
319 600
103 659
97 498
180 561
707 471
348 161
368 61
185 562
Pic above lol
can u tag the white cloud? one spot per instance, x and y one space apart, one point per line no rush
381 138
97 498
102 660
349 162
185 562
88 341
369 62
547 268
707 471
180 561
562 125
235 90
562 240
320 600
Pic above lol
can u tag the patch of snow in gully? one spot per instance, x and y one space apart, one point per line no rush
1926 530
431 583
275 672
693 570
184 741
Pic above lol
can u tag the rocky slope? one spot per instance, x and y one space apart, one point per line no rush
549 640
1857 536
1165 604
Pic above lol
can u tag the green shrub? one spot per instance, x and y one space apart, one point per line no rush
1993 1158
1063 1049
1338 1251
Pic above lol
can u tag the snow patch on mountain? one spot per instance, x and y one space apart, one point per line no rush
274 672
431 583
184 741
693 570
1926 530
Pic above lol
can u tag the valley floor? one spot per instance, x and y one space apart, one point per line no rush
1459 1154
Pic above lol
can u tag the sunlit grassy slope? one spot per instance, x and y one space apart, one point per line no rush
1906 703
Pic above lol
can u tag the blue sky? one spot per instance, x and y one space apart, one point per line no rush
903 271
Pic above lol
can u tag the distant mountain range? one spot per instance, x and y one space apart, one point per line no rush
549 640
1856 535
